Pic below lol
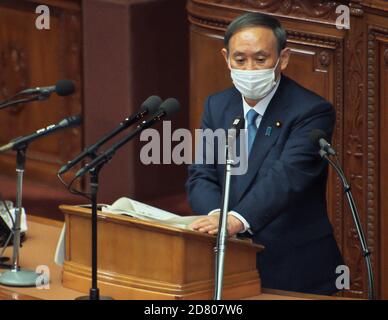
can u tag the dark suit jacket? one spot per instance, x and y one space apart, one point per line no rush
283 193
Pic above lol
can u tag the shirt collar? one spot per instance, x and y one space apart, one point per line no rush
262 105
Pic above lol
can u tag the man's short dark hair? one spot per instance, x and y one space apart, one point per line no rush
256 19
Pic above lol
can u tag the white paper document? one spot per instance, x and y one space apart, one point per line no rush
143 211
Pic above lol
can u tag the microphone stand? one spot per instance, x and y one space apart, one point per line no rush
222 235
357 223
94 168
17 277
94 293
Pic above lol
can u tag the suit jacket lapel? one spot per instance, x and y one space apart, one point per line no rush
266 137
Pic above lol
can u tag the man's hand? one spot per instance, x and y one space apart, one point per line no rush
209 224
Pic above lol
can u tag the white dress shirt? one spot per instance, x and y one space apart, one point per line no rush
260 108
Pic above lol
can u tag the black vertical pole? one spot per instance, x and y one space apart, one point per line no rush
94 291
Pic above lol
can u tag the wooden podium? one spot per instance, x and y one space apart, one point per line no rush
143 260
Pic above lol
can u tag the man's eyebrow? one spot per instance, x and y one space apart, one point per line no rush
262 53
258 53
238 53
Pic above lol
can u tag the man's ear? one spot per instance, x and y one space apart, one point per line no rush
224 52
285 58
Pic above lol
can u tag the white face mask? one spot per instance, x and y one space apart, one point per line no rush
254 84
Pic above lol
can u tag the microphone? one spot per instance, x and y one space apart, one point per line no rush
238 123
318 136
22 141
166 109
149 106
62 88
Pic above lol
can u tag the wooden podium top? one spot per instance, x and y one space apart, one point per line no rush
152 225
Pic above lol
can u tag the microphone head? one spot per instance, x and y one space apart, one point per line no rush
151 104
71 121
170 106
237 125
64 88
238 122
75 120
316 135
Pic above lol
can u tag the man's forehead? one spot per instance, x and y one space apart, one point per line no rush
259 36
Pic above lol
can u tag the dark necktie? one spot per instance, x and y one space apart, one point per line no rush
252 129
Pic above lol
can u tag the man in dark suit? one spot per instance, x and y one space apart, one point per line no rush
281 200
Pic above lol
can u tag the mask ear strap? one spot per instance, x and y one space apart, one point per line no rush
276 65
230 67
274 69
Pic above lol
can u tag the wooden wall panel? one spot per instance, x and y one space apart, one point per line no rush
317 62
205 57
383 160
140 50
376 171
28 58
340 65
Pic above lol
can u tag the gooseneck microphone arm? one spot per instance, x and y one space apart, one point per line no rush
318 136
91 151
167 108
149 106
20 142
8 103
356 219
107 155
